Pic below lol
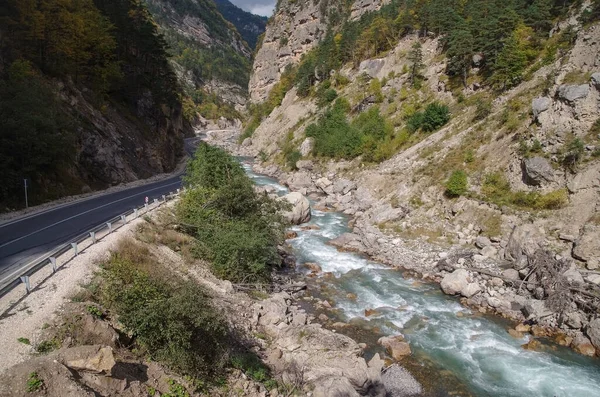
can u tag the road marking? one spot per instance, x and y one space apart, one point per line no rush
83 213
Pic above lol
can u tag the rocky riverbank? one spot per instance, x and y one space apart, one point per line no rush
515 276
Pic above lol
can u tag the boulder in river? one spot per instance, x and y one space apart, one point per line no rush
395 346
455 282
300 212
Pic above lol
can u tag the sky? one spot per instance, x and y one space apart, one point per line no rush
259 7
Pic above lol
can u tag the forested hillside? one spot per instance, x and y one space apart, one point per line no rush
249 25
209 55
87 97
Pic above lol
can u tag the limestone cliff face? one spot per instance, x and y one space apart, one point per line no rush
296 27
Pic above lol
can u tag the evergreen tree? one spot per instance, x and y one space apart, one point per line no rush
510 64
415 57
460 52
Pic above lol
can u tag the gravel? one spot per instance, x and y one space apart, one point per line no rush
23 316
399 382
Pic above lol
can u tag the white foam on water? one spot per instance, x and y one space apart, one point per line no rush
478 351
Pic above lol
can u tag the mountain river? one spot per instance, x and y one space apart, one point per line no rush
458 351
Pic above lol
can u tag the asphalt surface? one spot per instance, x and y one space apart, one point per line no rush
30 237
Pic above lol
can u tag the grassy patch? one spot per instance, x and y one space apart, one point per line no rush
34 383
496 189
47 346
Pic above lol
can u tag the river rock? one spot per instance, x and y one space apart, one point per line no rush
536 309
593 332
395 346
343 186
489 251
587 246
540 105
523 242
304 165
482 242
247 142
573 275
470 290
511 274
300 212
595 80
572 93
455 282
399 382
307 146
537 171
348 242
583 345
313 267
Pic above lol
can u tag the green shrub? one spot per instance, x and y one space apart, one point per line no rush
236 229
436 115
291 158
457 184
34 383
171 320
24 341
47 346
252 366
573 154
483 109
432 118
496 189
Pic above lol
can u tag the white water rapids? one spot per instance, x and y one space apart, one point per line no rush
477 350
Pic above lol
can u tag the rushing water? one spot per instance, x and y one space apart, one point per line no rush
475 350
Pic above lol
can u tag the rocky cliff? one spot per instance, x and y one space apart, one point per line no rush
295 29
528 207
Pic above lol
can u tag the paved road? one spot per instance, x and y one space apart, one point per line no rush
25 239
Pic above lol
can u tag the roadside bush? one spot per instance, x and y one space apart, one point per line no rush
483 109
457 184
171 320
236 229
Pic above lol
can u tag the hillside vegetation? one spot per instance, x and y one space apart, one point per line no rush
110 54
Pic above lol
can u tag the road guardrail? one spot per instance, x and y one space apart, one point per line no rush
75 246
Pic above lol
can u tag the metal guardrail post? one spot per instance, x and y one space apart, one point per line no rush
109 227
53 262
124 219
93 237
146 206
178 190
135 213
25 280
155 201
74 245
164 198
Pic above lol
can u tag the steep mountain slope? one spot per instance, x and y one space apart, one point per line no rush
209 55
468 129
249 25
88 99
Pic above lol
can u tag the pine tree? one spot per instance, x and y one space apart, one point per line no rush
510 64
460 53
415 58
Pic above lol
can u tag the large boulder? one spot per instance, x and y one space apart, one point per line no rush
596 80
523 242
537 171
573 93
540 105
307 146
395 346
455 282
97 359
587 246
300 212
299 180
593 332
371 66
343 186
582 345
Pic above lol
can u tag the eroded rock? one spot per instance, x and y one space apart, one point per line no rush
300 212
537 171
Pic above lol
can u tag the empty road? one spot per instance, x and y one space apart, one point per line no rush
25 239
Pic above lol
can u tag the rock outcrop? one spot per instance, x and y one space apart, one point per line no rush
300 211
